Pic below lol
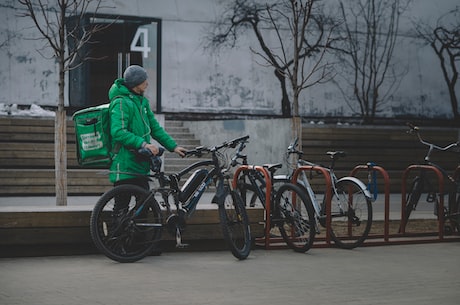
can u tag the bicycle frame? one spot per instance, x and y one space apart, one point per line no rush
174 179
346 204
331 182
169 185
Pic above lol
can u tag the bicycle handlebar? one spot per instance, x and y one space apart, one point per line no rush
197 151
200 150
292 148
155 160
416 130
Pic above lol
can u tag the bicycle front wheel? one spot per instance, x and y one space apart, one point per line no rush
351 215
294 216
235 224
124 226
250 194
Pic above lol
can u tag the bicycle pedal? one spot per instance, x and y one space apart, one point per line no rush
182 246
431 197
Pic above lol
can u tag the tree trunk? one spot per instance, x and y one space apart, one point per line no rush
285 102
60 156
60 144
297 129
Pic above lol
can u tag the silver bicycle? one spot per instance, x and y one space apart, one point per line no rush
350 201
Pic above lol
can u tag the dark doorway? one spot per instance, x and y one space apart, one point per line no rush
111 51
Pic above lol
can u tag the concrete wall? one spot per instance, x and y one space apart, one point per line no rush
195 81
268 139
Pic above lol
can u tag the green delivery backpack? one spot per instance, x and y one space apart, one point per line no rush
92 131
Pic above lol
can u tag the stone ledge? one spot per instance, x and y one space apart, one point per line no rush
63 232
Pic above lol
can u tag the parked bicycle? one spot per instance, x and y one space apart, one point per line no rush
351 203
421 184
291 214
127 221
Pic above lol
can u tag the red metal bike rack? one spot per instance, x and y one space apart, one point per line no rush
441 199
386 179
266 238
328 192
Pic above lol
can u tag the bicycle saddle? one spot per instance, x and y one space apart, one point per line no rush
336 154
272 167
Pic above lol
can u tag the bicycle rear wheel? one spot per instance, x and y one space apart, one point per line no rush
124 226
235 224
351 215
294 216
453 215
412 199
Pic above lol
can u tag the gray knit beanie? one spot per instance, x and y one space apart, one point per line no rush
134 75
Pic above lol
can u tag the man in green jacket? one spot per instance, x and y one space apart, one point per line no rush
132 124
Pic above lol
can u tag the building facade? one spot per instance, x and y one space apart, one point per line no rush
166 37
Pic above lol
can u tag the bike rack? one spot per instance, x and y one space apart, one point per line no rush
386 179
441 199
266 238
328 192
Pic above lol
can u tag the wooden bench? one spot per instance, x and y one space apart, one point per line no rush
27 160
389 147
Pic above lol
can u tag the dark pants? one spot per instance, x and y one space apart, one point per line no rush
141 182
121 201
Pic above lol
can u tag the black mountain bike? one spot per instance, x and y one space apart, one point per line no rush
421 184
291 213
127 221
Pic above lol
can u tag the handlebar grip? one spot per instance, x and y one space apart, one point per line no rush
234 142
148 153
192 152
198 151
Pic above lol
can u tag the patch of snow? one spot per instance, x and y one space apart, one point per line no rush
33 111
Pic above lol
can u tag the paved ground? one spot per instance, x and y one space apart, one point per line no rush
409 274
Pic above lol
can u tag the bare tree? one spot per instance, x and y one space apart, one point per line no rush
51 22
370 30
444 39
302 34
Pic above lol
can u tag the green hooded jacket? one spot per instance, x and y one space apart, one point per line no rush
132 123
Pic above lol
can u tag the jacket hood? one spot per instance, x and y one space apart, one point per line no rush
118 89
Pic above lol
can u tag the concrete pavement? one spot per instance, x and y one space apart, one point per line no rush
405 274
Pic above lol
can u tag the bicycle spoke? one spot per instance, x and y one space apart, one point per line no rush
115 229
296 217
351 215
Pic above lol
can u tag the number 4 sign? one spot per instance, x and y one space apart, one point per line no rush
140 42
